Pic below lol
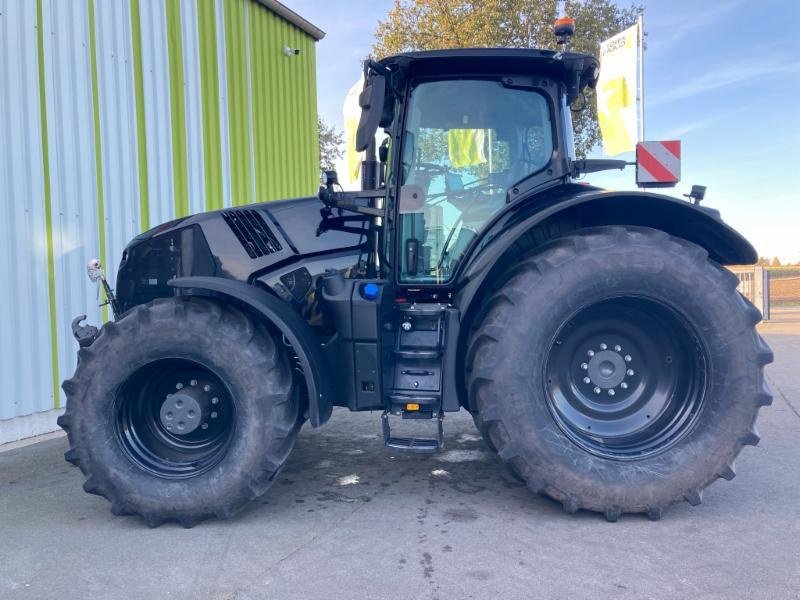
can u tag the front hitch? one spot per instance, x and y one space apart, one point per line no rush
85 335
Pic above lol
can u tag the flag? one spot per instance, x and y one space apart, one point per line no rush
465 147
351 111
616 92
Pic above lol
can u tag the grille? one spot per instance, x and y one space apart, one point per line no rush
252 231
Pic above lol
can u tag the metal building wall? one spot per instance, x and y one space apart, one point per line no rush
118 116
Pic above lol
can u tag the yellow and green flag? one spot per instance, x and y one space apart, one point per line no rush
465 147
616 92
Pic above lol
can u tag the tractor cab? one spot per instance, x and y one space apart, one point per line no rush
470 131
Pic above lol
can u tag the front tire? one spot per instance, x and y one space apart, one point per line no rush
180 411
618 370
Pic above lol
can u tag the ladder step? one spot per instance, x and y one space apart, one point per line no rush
416 353
424 399
413 444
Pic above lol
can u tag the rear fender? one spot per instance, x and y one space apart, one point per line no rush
281 316
574 207
694 223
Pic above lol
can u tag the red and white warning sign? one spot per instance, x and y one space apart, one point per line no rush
658 163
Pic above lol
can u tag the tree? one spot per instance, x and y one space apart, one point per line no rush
330 145
432 24
776 262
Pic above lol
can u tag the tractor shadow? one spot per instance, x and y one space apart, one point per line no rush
345 464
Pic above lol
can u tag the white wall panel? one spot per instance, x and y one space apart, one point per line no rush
73 180
155 72
118 128
25 367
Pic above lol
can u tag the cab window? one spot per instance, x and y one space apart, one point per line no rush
466 143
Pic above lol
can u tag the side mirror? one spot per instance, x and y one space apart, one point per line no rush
373 103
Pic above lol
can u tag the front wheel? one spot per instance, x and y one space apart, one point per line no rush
182 410
618 370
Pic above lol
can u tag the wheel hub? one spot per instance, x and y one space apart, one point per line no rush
188 408
625 377
174 418
606 369
181 413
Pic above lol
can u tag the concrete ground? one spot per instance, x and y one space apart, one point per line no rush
349 519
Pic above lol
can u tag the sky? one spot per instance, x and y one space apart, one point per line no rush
723 76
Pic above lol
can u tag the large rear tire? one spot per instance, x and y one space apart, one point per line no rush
182 410
618 370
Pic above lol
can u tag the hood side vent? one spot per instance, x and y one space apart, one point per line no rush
252 232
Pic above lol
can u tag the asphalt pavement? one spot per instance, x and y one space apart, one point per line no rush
349 519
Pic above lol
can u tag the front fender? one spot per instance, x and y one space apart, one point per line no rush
296 331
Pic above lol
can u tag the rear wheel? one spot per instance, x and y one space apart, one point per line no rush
634 378
180 411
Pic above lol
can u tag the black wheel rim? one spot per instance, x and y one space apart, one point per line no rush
626 377
174 418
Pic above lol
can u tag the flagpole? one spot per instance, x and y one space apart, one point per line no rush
640 22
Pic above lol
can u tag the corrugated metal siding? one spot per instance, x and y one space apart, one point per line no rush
118 116
117 112
155 67
24 304
73 172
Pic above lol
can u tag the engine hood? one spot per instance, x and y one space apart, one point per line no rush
292 222
242 243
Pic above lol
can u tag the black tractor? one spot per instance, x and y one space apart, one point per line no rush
594 336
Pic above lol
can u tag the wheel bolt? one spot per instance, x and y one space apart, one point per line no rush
206 388
204 426
584 366
587 380
215 400
179 386
618 348
596 390
611 392
590 353
630 372
213 414
603 346
627 358
193 382
623 385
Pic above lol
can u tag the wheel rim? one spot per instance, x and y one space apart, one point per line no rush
625 378
174 418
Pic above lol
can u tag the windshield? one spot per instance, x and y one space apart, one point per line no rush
466 142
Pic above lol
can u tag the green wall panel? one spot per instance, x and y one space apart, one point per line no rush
209 77
284 111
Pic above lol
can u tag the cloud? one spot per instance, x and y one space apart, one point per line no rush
716 77
678 131
665 32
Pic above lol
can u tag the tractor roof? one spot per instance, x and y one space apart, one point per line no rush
517 61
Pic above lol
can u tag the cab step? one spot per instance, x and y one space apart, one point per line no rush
414 445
